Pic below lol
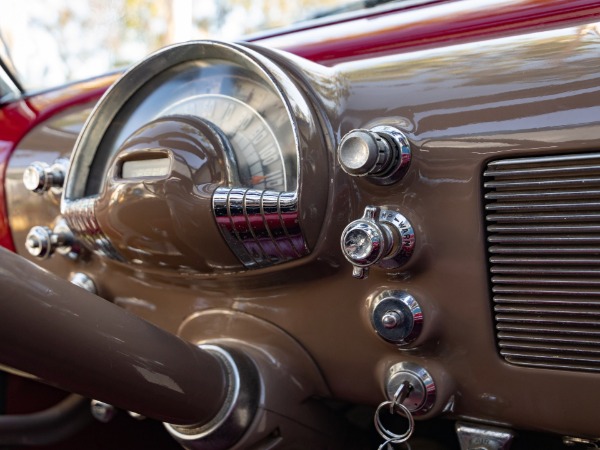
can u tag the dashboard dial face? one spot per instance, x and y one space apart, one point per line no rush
237 101
259 159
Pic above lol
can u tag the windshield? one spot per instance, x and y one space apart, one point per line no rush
52 43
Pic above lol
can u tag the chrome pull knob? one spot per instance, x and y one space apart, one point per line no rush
379 237
40 177
42 241
381 153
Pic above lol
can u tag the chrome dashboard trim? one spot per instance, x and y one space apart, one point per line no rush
261 227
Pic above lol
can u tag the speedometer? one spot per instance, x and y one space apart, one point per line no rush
201 131
260 160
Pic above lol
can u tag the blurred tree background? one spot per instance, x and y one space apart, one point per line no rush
56 41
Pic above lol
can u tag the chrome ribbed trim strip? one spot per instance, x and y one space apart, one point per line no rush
260 227
81 218
543 218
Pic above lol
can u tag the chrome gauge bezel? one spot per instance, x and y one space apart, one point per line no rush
136 77
78 209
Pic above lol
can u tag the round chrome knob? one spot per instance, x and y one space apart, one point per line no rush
42 242
392 319
381 153
39 242
363 152
84 281
364 242
396 317
40 177
381 237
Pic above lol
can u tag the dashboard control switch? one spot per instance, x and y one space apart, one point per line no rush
382 153
421 397
84 281
102 412
396 317
380 237
42 241
40 177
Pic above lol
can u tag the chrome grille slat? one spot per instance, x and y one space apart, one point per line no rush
542 195
563 349
543 206
560 250
545 260
554 281
543 223
540 329
526 338
576 239
543 183
555 271
554 228
547 310
528 290
541 171
544 217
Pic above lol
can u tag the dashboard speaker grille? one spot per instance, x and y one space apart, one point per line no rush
543 223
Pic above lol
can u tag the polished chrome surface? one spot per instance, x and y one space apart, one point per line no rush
81 218
102 412
84 281
421 397
40 177
365 242
238 410
480 437
381 153
396 317
261 227
42 241
392 319
543 242
362 152
381 237
39 242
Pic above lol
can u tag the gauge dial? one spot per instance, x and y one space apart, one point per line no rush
206 157
243 106
260 161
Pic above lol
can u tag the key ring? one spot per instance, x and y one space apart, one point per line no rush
395 406
388 435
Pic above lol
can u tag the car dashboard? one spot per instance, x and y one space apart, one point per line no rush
429 214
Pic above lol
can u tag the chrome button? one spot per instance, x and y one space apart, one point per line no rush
42 241
40 177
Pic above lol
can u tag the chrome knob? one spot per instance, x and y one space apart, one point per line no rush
38 242
379 237
42 242
84 281
397 317
102 412
381 153
40 177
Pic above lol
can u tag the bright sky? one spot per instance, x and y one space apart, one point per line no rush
56 41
